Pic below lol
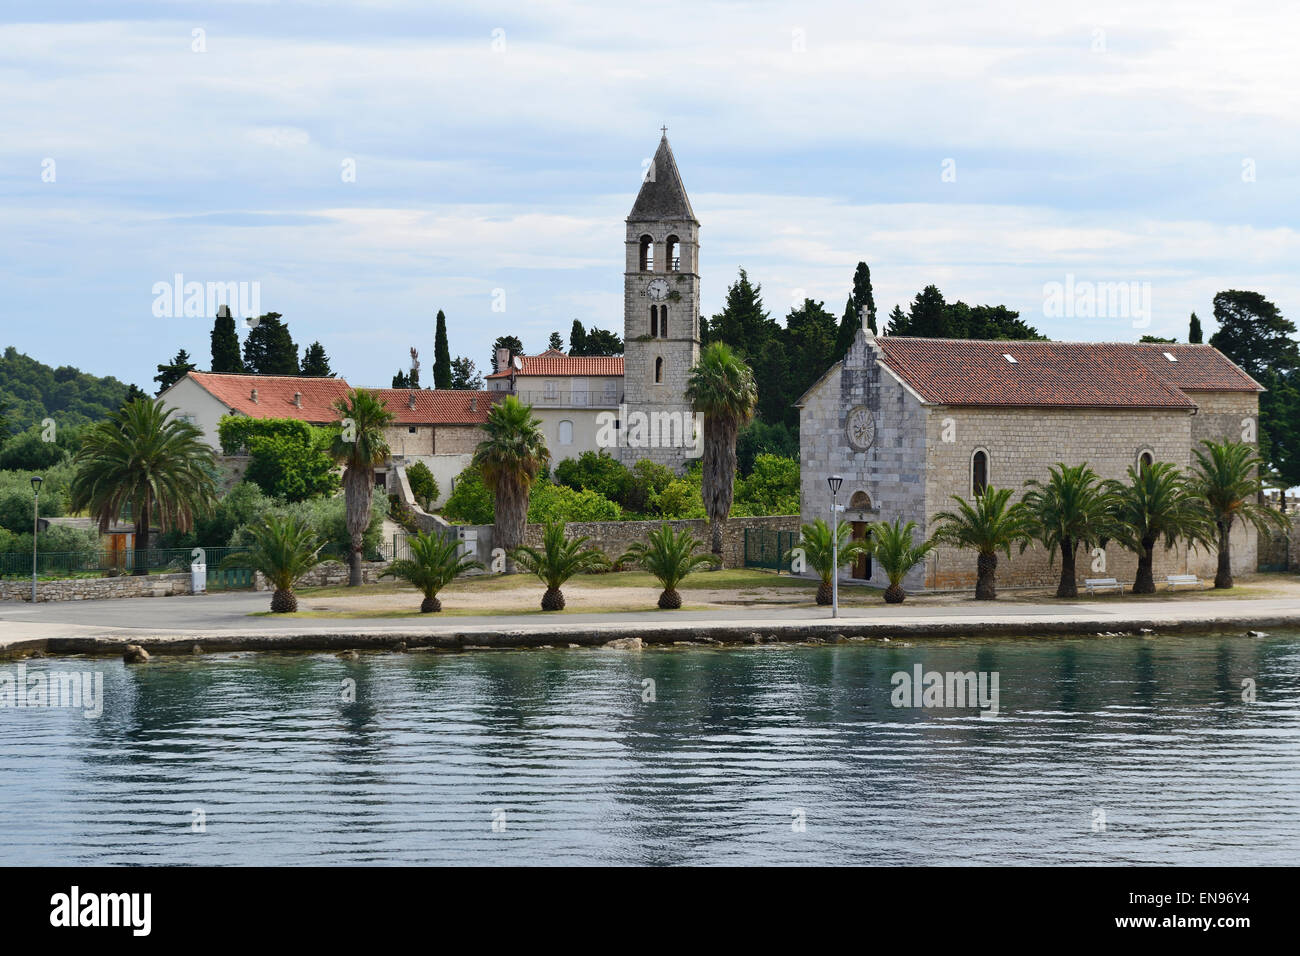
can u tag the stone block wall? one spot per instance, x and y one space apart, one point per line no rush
94 589
615 537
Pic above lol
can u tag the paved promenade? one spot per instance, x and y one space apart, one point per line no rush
222 622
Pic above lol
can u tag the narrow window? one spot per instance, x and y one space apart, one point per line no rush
979 473
672 254
647 254
659 371
654 321
1145 461
663 321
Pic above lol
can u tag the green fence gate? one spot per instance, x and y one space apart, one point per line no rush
765 548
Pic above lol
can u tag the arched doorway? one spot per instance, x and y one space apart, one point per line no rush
860 524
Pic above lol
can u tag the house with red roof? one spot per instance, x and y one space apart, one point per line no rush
440 427
909 423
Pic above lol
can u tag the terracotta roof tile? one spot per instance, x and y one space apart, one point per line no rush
555 362
438 406
1088 374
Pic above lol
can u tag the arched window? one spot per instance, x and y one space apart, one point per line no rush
979 472
663 321
654 321
672 254
861 501
647 254
659 371
566 432
1145 460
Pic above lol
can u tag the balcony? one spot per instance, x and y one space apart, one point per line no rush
558 398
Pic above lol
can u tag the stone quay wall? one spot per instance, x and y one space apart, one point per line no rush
95 589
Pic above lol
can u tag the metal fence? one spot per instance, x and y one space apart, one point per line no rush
765 548
69 564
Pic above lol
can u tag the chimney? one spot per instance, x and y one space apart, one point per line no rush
410 401
503 360
297 399
253 395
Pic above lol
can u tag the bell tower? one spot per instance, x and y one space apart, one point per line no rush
661 317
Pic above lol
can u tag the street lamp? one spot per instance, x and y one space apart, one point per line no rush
834 481
36 525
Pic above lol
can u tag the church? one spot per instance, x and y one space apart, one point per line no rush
910 422
641 393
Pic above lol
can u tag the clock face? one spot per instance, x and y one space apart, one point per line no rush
860 428
658 289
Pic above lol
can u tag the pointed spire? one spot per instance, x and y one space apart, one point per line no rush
662 194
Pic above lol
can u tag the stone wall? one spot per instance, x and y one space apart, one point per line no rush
328 574
1281 548
615 537
94 589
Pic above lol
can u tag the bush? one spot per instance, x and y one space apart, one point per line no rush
764 438
290 459
772 488
681 498
328 519
550 503
56 538
470 502
16 497
648 480
29 451
423 485
595 471
243 504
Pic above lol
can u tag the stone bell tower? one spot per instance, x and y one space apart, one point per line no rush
661 317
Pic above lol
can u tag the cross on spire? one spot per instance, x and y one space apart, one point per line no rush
664 130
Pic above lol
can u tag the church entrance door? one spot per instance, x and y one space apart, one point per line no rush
861 570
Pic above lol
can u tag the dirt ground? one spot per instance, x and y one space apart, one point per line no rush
629 591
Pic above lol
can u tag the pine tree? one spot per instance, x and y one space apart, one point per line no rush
168 375
441 354
603 342
464 374
556 344
401 380
269 349
315 363
1194 334
225 343
577 339
743 324
897 322
510 342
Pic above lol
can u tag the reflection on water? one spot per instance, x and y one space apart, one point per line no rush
1150 735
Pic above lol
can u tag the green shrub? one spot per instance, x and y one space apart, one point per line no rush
327 517
470 501
294 465
550 503
28 450
16 496
595 471
423 485
772 488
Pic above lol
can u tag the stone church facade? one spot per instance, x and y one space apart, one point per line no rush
911 422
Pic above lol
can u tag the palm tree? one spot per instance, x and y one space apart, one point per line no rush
434 563
669 557
1072 508
897 553
359 444
559 559
1228 480
721 388
144 458
990 525
818 550
284 549
1157 503
511 457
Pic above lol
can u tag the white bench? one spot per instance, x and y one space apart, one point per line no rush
1173 580
1093 585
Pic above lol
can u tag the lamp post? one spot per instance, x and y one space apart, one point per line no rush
834 481
36 526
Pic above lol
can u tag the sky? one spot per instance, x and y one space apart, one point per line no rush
366 163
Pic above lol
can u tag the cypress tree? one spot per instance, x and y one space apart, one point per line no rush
441 354
269 349
225 343
577 339
1194 333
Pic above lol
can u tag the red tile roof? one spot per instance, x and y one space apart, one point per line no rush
555 362
275 399
1087 374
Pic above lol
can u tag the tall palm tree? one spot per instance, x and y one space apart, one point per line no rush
1071 508
144 457
284 549
819 551
989 525
434 563
559 559
359 445
896 551
1228 480
669 556
721 388
1156 503
511 457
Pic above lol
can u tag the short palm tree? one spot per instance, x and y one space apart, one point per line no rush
1157 503
669 556
1070 509
559 559
991 524
434 563
1228 480
359 445
283 549
511 457
819 552
896 551
145 458
721 388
